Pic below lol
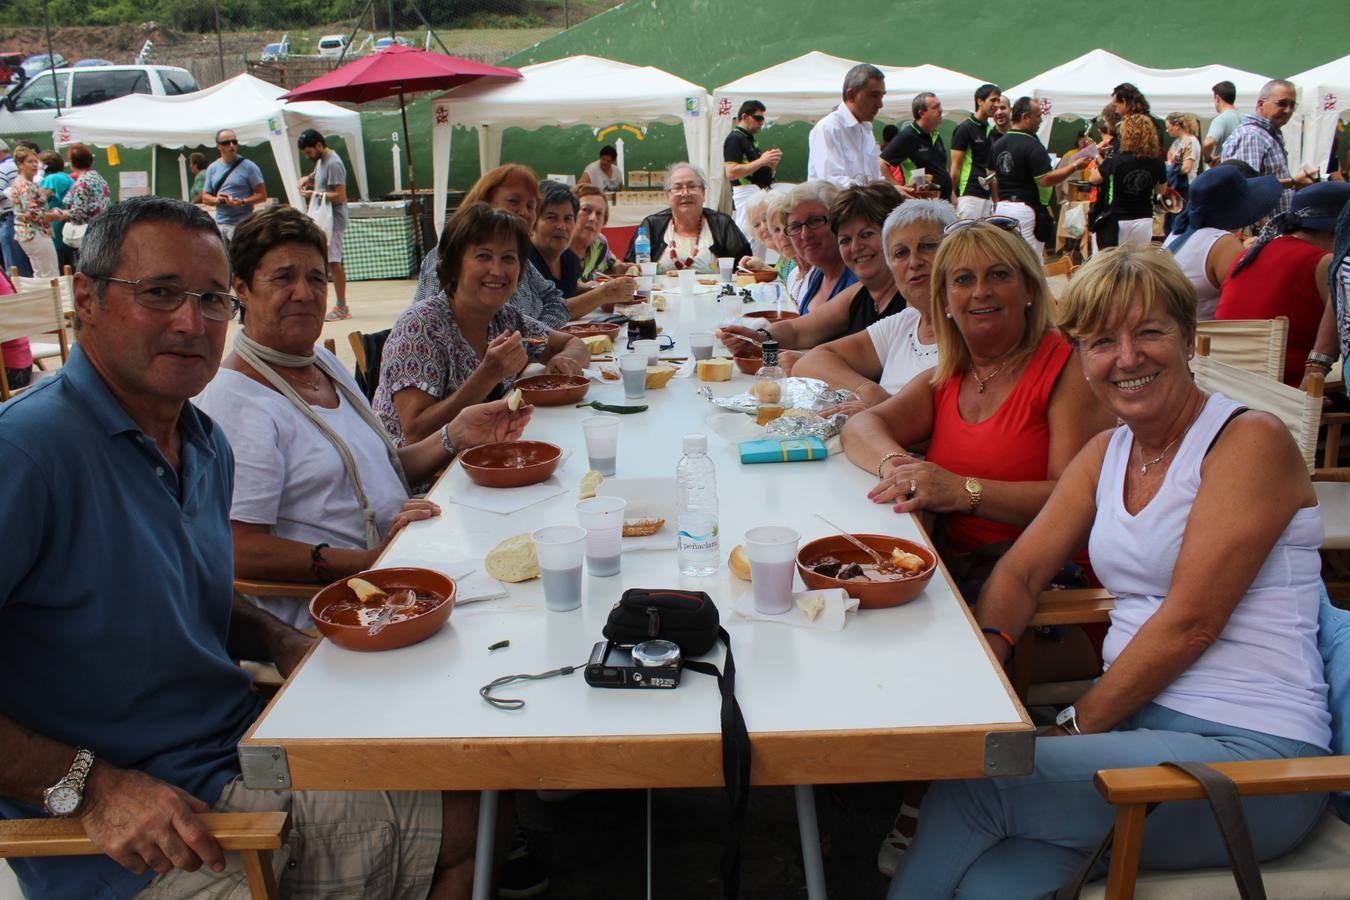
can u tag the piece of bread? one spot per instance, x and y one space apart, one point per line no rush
766 391
598 344
658 376
908 562
514 399
715 369
642 527
589 482
812 604
739 563
513 560
658 303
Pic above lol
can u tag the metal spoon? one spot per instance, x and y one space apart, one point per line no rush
881 561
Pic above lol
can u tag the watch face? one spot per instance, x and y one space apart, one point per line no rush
63 800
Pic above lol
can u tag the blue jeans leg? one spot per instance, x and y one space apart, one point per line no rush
15 258
1011 838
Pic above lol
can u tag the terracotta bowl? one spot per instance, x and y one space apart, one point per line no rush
553 390
772 315
870 595
587 329
396 634
510 464
749 365
764 276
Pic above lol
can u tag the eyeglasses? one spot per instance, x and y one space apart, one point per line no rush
685 187
811 223
1007 223
214 305
757 118
1284 104
233 141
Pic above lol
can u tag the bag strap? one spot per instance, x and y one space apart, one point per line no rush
735 764
239 161
1226 805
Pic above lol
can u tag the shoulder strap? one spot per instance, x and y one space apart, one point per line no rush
226 177
735 764
1226 422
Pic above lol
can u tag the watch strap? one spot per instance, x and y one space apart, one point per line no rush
1321 359
976 494
74 779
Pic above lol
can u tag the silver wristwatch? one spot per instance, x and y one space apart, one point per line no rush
1068 720
63 799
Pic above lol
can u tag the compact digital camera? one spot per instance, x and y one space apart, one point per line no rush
650 664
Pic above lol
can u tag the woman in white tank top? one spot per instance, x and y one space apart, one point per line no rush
1201 519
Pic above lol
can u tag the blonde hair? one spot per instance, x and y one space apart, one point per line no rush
963 247
1102 293
1185 121
1139 136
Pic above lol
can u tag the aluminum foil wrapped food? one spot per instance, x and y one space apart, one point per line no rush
800 423
810 394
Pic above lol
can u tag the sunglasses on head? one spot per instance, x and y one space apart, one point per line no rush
1007 223
233 141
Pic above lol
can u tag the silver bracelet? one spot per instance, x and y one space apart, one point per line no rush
445 441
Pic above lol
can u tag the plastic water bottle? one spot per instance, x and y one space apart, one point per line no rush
699 548
642 245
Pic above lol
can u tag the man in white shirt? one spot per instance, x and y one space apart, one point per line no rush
842 148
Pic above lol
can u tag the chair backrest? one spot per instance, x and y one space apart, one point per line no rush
1300 411
66 284
368 350
1256 345
32 312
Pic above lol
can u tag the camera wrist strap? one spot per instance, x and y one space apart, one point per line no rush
735 763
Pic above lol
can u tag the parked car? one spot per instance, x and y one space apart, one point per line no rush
40 63
278 51
388 41
332 45
31 107
91 62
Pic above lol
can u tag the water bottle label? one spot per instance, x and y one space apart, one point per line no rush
696 536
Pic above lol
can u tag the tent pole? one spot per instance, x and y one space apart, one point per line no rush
412 180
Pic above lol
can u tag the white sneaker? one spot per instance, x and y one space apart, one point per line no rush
895 843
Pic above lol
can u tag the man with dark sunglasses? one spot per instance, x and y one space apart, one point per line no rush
749 169
1259 142
234 185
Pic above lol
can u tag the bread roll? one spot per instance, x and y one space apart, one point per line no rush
739 563
659 376
513 560
716 369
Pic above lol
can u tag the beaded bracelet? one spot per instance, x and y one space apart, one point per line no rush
989 629
316 561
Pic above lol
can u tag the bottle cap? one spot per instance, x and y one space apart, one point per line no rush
695 443
769 345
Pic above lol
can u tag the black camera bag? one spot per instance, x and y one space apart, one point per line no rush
689 619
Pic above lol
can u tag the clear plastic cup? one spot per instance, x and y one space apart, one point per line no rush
647 269
602 442
602 517
561 550
633 368
701 344
772 551
688 281
725 267
650 350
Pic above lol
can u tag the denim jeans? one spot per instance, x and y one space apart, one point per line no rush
15 258
1021 838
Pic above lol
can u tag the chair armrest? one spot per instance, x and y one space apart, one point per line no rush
1337 474
1077 606
66 837
1255 778
295 589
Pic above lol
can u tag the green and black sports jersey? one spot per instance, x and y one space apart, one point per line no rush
974 138
740 147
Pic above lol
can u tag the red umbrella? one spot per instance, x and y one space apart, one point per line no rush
397 70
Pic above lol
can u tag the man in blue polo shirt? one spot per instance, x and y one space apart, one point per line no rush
234 185
118 625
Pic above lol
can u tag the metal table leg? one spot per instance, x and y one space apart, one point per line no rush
806 825
487 839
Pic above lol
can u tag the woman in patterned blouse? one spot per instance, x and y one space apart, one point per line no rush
89 196
467 343
32 223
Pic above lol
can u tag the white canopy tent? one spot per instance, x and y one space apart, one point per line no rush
1324 95
809 87
578 90
246 104
1082 86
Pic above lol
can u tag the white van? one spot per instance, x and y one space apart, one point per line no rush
332 45
31 107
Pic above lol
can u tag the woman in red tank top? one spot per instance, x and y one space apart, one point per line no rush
1285 274
1007 407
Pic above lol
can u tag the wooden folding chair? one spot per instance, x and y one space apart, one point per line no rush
252 835
1257 345
28 313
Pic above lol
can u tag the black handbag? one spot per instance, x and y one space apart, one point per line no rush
690 620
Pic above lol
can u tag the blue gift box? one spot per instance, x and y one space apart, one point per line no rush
783 450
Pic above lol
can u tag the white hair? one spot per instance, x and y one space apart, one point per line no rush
675 167
820 191
938 212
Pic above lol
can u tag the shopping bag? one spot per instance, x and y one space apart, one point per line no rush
321 212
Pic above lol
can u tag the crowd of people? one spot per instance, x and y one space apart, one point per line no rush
1048 440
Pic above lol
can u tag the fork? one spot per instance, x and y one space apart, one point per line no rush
881 561
390 609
